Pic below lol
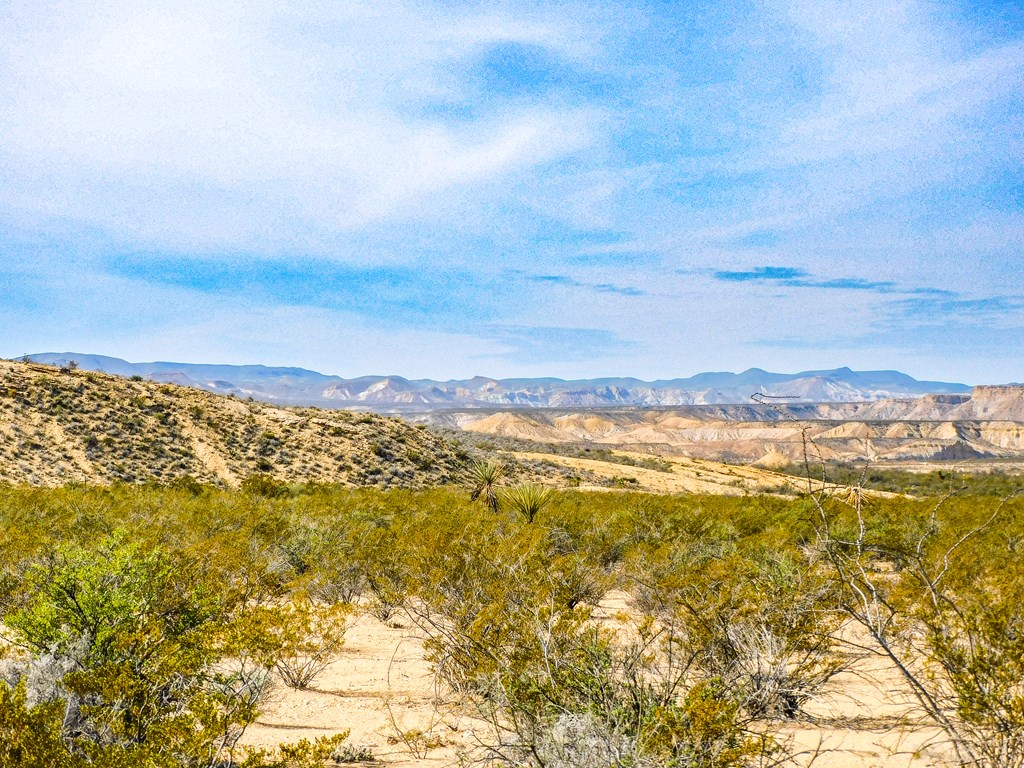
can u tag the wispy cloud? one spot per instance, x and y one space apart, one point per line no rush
798 278
565 280
921 304
214 124
787 274
946 311
406 295
529 345
685 182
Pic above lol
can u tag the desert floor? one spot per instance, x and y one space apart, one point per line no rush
383 691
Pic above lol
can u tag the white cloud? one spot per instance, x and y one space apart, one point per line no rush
122 114
864 140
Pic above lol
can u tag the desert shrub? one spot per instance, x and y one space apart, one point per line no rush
507 610
125 641
337 575
32 735
297 639
189 484
600 529
473 580
976 660
302 754
352 753
762 622
301 545
749 603
384 572
935 483
584 696
939 590
267 486
734 604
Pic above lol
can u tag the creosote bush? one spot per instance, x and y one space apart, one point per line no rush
297 639
760 620
940 592
143 625
127 642
579 693
147 647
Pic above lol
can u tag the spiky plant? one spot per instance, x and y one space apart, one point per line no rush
528 500
485 483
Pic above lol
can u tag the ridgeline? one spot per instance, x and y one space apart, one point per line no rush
61 425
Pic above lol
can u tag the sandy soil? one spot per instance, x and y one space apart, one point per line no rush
381 688
688 476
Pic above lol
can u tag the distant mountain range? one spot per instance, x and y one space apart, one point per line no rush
298 386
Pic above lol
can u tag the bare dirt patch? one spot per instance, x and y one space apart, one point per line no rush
382 689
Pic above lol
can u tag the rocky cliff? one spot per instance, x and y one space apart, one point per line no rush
942 429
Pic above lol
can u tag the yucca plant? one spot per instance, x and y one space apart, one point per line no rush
486 475
528 500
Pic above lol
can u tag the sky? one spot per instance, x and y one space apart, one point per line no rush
568 189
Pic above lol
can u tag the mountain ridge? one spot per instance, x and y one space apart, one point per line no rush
62 424
285 385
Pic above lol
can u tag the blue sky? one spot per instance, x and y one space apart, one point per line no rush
568 189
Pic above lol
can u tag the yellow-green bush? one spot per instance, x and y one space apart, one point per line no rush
745 596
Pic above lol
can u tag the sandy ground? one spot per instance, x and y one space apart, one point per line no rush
688 476
381 688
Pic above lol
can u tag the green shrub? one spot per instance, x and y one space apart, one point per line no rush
128 641
264 485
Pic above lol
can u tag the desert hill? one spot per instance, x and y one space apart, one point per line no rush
297 386
66 425
62 424
987 425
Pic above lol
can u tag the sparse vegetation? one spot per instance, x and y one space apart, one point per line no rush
994 482
489 444
104 429
170 629
144 623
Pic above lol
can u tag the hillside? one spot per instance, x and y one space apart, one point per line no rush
953 430
64 425
298 386
59 426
